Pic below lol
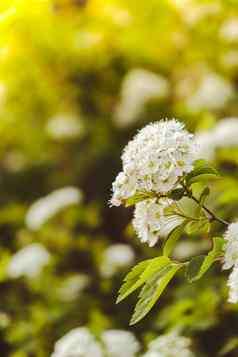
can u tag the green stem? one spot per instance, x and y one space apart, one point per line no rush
212 215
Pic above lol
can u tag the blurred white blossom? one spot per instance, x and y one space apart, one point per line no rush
64 126
120 343
88 40
224 134
118 15
3 91
138 87
206 143
212 93
193 12
28 261
15 161
44 208
73 286
170 345
229 30
116 257
79 342
154 160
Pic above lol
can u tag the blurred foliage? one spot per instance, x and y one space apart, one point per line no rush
68 58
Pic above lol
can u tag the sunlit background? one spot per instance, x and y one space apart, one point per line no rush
78 78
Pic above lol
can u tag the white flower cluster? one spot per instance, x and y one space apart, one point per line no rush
231 260
138 87
154 160
80 342
28 261
224 134
45 208
150 221
153 163
212 93
116 257
64 126
120 343
170 345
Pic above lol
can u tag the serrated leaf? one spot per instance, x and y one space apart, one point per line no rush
173 237
152 290
198 266
140 274
131 280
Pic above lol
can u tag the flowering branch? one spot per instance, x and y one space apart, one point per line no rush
159 169
213 216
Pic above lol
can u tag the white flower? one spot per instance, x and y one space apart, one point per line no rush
79 342
123 187
45 208
64 126
224 134
192 12
231 260
229 30
116 257
28 261
212 93
120 343
73 286
149 221
233 285
158 156
139 86
231 249
153 354
206 144
170 345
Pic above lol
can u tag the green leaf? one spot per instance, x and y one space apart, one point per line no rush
140 274
200 163
152 291
203 177
194 267
201 172
205 193
230 346
173 237
176 194
131 280
198 266
196 227
136 198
